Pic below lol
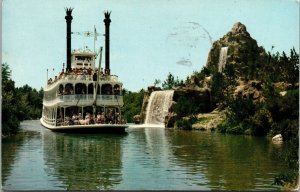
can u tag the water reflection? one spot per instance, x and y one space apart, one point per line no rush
21 160
84 161
11 147
144 158
228 162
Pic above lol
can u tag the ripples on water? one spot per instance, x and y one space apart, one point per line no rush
142 158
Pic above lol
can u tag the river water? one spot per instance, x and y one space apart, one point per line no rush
142 158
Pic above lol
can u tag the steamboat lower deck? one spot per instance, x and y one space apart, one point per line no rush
93 128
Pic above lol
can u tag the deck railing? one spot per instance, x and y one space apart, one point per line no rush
90 98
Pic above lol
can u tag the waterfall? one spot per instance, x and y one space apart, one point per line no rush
222 58
158 107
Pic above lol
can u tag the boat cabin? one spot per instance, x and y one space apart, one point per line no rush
81 59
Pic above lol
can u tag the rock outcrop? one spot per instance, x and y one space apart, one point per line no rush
201 96
198 93
242 49
277 139
208 121
251 90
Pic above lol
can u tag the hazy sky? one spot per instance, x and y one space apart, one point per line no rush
149 38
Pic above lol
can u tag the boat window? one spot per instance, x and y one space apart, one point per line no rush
60 89
69 90
98 90
80 88
91 88
82 58
106 89
117 89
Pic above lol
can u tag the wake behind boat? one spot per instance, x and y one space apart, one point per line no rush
82 97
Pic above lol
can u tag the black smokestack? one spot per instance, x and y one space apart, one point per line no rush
107 23
68 18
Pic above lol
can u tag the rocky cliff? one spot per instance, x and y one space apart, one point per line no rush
242 51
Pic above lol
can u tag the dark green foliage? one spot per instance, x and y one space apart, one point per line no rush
280 68
202 74
185 107
285 107
217 88
18 103
32 101
171 82
289 130
186 123
132 104
291 156
10 122
261 122
190 106
285 114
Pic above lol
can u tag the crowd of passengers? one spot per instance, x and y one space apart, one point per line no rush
78 71
100 118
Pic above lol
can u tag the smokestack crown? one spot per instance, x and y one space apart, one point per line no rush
69 13
107 17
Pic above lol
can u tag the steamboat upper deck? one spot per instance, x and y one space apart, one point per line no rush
83 96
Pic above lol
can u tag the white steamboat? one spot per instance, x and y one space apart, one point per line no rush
82 97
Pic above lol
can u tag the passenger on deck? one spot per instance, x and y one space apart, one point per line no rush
68 121
98 118
92 119
89 71
85 121
109 118
85 71
122 121
102 118
80 116
117 118
75 119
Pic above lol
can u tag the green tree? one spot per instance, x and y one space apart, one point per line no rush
132 104
10 103
156 82
171 82
202 74
217 87
291 67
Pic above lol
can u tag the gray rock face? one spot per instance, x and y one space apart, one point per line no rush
239 28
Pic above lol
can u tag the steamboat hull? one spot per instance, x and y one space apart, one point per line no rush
94 128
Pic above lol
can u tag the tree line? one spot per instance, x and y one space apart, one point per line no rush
18 103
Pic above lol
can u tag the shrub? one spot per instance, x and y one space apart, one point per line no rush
229 125
260 123
186 123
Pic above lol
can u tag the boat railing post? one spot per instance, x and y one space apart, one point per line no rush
64 121
55 123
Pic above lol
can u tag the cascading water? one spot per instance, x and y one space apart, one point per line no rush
222 58
158 107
